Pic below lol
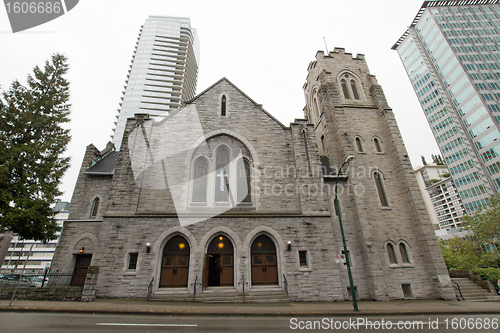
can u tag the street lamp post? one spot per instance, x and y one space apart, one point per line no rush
347 259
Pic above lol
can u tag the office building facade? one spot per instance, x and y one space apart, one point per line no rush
451 54
440 196
163 72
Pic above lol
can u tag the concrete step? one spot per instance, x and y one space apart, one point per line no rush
211 296
472 291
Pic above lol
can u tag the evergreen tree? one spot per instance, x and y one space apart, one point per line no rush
32 142
424 162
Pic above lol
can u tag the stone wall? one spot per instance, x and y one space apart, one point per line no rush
42 294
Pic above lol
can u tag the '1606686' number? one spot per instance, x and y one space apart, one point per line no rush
33 7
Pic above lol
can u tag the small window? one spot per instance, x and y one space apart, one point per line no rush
345 90
407 291
95 208
354 89
223 106
323 144
391 254
380 189
378 148
132 261
303 259
404 253
359 145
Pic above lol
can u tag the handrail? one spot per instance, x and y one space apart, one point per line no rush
150 288
285 284
457 287
194 285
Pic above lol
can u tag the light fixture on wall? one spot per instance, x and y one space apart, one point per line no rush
82 249
148 247
289 246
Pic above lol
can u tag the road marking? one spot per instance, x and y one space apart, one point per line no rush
158 325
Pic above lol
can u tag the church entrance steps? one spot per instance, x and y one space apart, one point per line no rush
214 296
473 292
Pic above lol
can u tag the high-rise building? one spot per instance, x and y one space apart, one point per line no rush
440 196
41 253
451 54
163 72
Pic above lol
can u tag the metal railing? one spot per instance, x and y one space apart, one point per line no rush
150 288
41 279
285 284
457 287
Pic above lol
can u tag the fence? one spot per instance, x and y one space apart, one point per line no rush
41 279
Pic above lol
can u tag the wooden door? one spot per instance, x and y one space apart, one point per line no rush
226 271
174 271
264 269
81 267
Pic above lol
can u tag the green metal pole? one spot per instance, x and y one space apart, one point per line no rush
348 262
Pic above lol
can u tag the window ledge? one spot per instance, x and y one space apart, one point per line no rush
386 208
130 273
305 269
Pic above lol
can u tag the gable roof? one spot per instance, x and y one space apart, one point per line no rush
105 166
241 92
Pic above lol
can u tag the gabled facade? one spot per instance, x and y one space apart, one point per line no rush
222 197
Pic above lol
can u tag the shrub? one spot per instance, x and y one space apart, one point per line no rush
491 274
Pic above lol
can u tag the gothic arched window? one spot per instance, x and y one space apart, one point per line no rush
223 106
404 253
244 181
315 109
200 180
359 145
378 148
380 188
345 90
95 207
391 254
354 89
222 175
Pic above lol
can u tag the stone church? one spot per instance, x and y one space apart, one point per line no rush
221 199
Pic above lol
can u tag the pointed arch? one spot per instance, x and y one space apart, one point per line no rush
223 106
378 177
244 181
345 90
354 89
359 144
404 253
222 157
391 254
200 180
378 146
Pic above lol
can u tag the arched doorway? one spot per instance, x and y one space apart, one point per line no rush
175 263
219 268
264 267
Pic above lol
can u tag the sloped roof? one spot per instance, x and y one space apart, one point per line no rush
105 166
241 92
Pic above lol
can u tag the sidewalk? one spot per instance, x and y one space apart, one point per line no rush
120 306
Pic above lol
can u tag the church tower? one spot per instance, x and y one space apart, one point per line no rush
392 245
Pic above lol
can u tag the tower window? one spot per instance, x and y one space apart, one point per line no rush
303 259
345 90
244 181
380 189
323 144
359 145
223 106
132 261
354 89
404 253
376 141
391 254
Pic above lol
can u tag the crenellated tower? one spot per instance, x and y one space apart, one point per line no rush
392 243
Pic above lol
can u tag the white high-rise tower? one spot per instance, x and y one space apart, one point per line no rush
163 72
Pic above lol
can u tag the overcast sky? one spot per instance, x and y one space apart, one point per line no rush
263 47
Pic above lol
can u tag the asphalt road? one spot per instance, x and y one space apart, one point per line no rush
41 322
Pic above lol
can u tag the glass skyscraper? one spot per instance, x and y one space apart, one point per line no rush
163 72
451 54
